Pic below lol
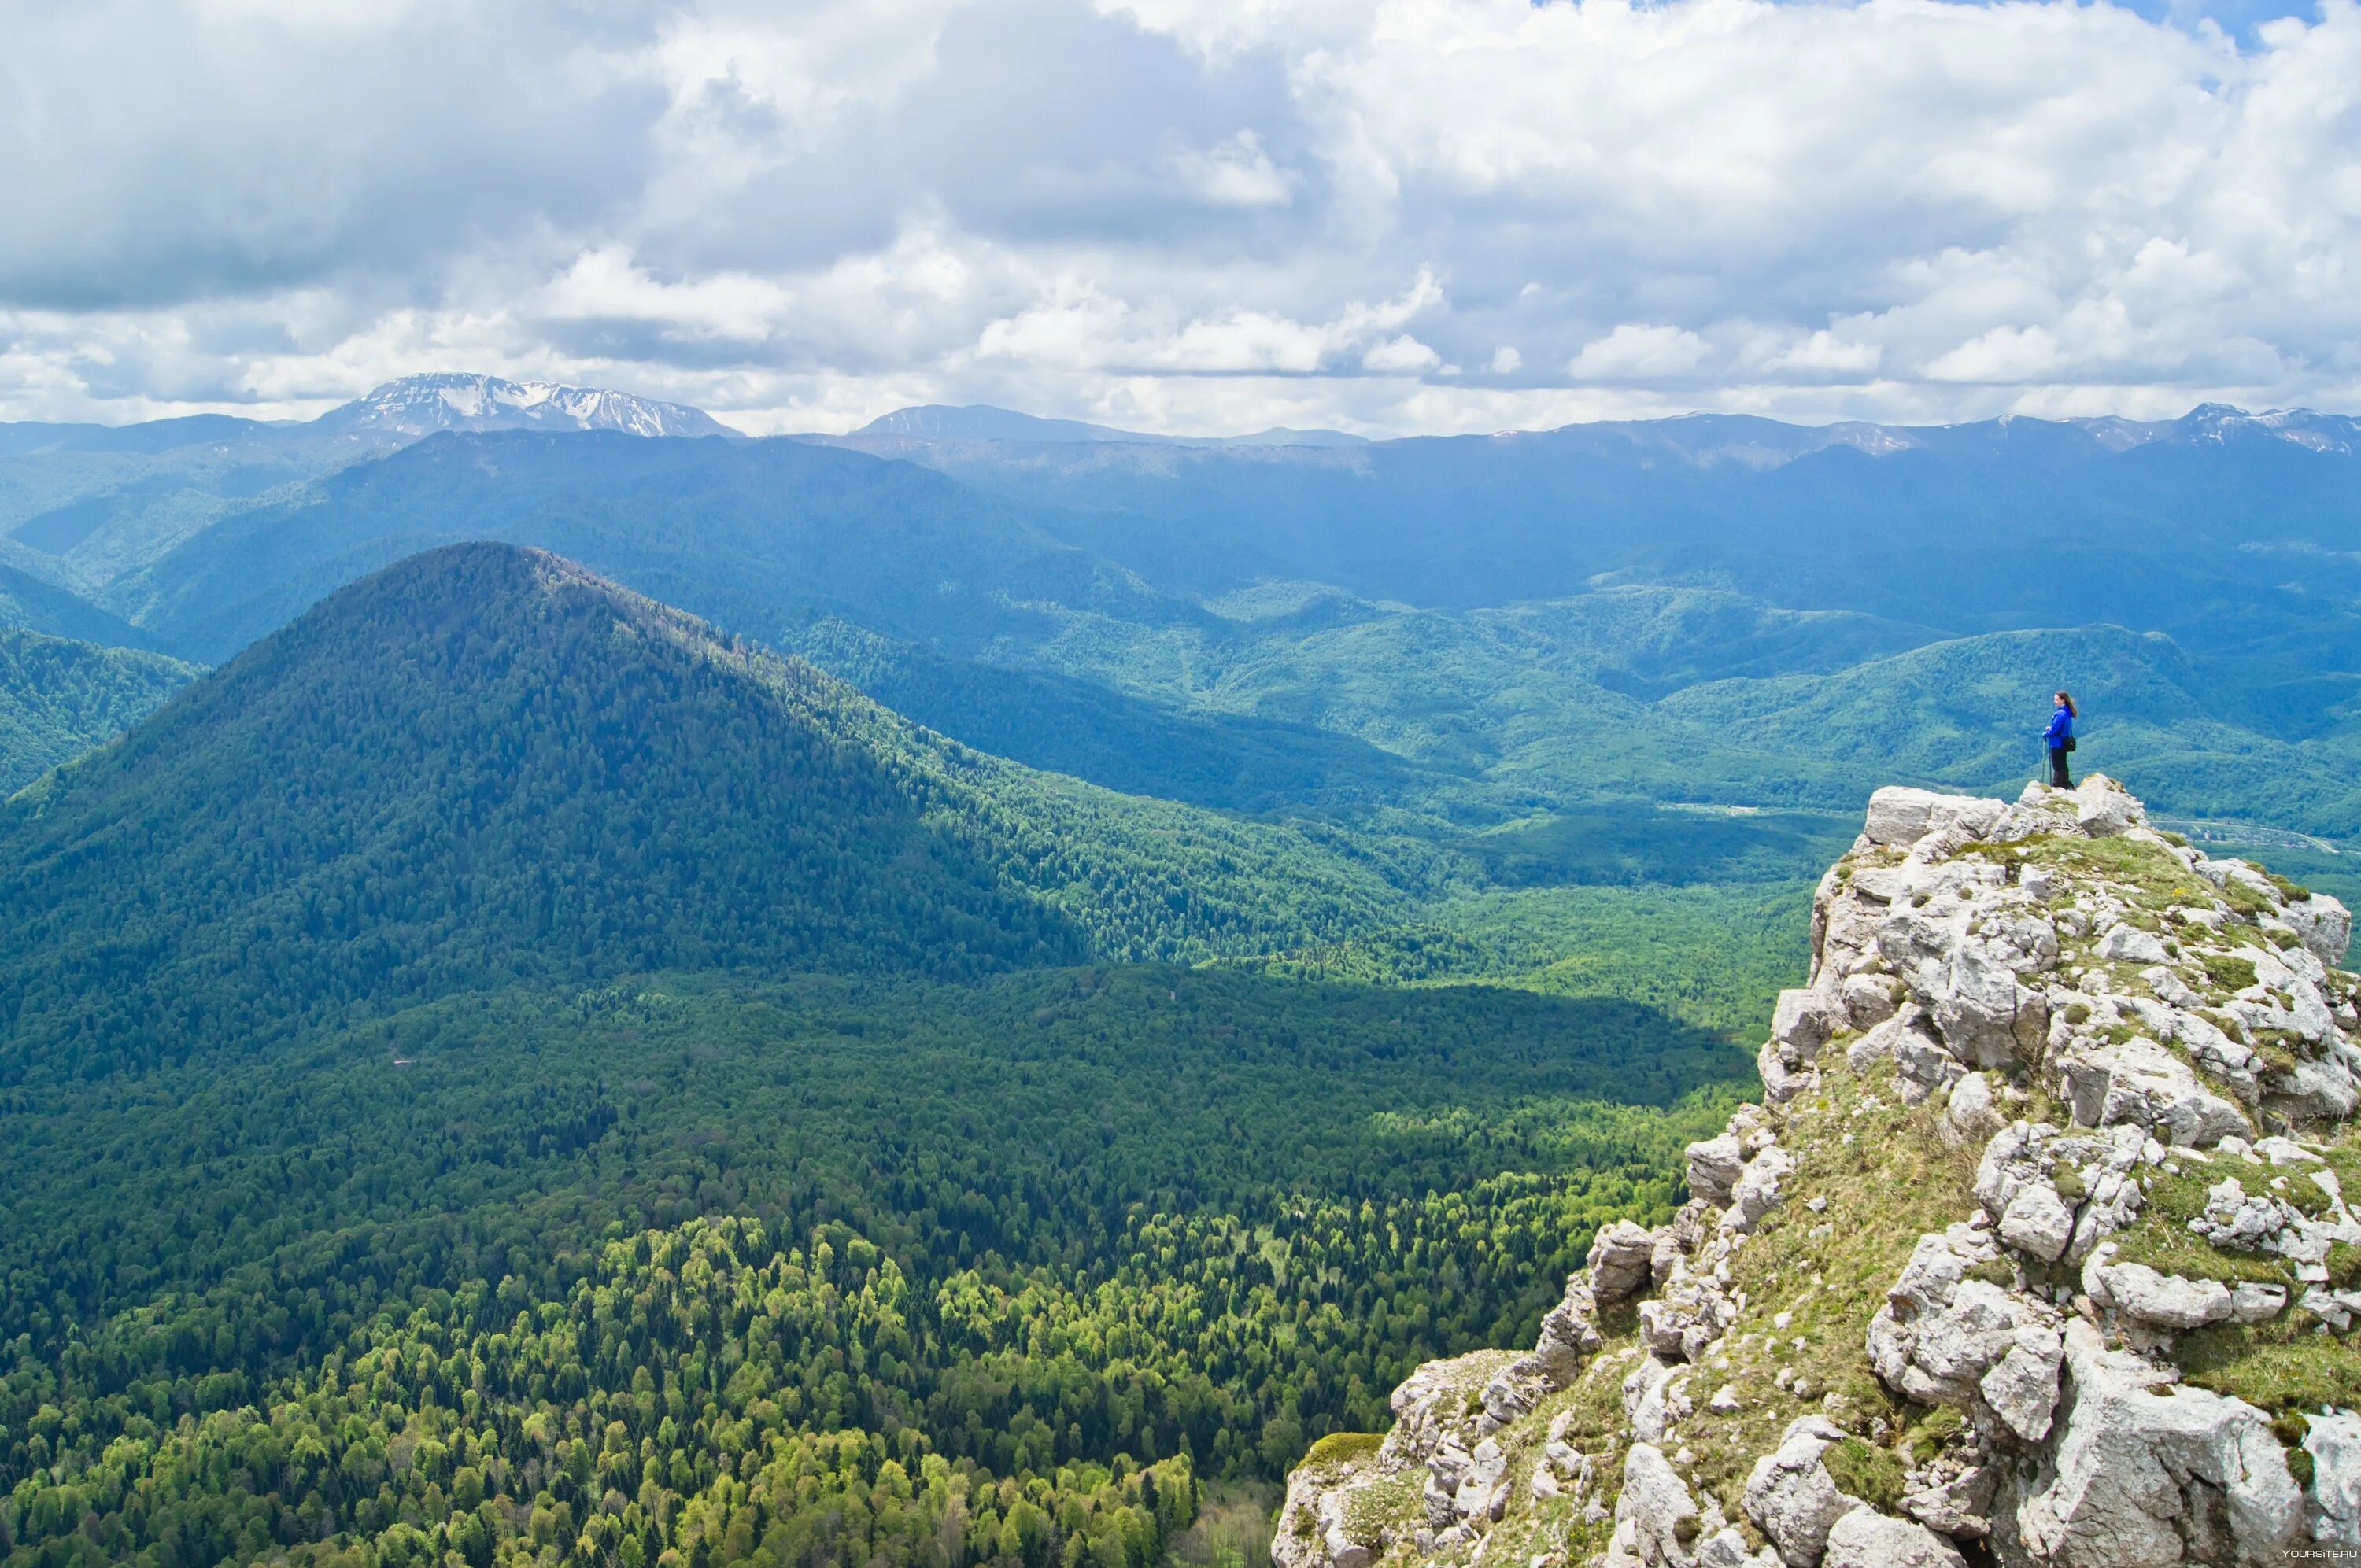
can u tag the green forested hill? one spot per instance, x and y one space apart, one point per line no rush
485 764
59 698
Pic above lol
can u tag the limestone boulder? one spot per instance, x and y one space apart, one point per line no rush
1949 1335
1759 1190
2138 1478
1791 1499
2252 1302
2130 945
1646 1398
1986 1014
1430 1407
1785 1072
2039 1222
1689 1313
1619 1261
1899 815
1869 999
2024 1155
1666 1525
2160 1300
1714 1165
2021 1387
1953 1497
2313 1089
1867 1539
1970 1113
1568 1339
1907 1032
2335 1444
2244 1221
1921 1067
2139 1082
2103 809
1803 1019
2324 923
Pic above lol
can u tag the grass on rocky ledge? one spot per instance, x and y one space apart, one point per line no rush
2295 1362
1556 1528
2150 876
2161 1238
2289 1364
1889 1174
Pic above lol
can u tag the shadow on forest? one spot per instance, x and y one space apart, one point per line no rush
1025 1114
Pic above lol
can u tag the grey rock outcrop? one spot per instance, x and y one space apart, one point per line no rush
2334 1442
2092 1032
1866 1538
2162 1300
1791 1499
2145 1479
1948 1335
2140 1082
1664 1520
1619 1261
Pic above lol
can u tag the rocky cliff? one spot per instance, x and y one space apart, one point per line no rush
2037 1250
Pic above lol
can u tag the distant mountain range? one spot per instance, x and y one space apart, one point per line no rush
936 421
408 409
1702 439
422 405
1690 609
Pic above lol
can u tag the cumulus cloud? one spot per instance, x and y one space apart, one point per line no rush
1186 213
1636 353
1399 356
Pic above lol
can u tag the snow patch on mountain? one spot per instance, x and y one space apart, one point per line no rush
422 405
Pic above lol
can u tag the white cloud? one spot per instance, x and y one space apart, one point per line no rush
1075 326
1634 352
2005 355
1403 356
1229 213
1826 352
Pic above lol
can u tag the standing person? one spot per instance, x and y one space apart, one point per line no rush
2059 739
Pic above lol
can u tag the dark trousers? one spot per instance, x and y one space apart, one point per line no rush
2057 778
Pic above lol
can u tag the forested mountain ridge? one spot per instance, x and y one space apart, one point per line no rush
762 536
60 698
485 763
38 605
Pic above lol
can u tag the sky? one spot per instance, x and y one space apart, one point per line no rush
1186 215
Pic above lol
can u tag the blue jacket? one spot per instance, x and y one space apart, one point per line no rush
2061 729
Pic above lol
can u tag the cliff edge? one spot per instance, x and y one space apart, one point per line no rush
2035 1252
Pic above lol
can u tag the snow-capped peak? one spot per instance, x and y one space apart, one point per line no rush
421 405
